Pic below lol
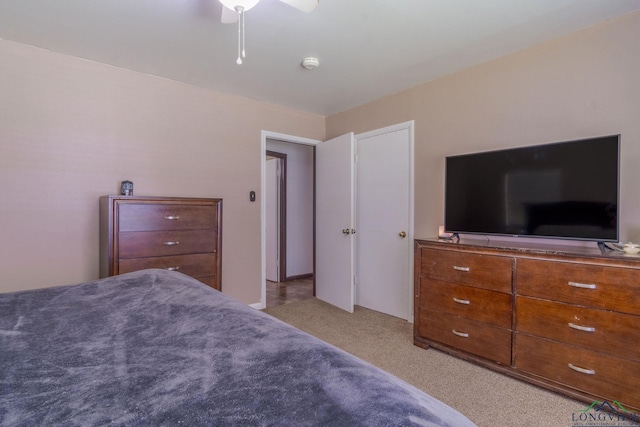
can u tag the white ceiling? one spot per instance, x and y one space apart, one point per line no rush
367 48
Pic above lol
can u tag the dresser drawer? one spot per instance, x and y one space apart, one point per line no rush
139 244
609 288
482 339
604 331
482 271
196 265
474 303
165 216
610 377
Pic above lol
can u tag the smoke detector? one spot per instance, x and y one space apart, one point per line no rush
310 63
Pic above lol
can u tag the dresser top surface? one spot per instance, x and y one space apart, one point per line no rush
156 198
533 249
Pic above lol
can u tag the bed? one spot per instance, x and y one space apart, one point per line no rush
158 348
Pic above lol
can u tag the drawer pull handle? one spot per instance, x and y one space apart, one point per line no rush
461 301
172 217
455 267
582 370
460 334
171 243
582 285
582 328
173 268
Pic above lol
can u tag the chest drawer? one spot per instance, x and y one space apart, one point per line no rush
474 303
139 244
209 280
609 377
482 339
605 331
196 265
478 270
165 216
604 287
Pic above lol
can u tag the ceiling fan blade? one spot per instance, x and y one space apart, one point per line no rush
228 16
303 5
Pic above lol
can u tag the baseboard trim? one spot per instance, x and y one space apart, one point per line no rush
298 277
257 306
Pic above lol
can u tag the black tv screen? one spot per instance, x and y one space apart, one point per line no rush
564 190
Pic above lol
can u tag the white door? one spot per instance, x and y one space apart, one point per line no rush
384 220
334 269
272 219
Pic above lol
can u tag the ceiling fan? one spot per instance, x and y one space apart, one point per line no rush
233 11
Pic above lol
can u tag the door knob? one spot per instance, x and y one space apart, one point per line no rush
346 231
402 234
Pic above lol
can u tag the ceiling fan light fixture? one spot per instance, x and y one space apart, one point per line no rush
234 10
240 6
234 4
310 63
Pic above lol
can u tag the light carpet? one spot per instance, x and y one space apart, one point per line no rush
487 398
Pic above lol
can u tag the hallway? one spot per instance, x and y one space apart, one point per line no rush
287 292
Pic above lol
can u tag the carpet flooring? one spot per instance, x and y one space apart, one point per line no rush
487 398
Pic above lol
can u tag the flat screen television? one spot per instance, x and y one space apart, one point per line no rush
564 190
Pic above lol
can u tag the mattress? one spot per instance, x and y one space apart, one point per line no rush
158 348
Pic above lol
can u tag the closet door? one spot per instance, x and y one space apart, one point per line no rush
384 221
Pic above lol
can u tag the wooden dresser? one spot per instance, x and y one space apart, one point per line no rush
173 233
566 320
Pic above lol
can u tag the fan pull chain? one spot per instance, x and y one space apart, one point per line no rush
241 54
242 16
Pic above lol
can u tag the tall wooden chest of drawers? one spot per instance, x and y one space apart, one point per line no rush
173 233
566 320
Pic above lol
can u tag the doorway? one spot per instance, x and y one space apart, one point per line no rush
294 237
404 231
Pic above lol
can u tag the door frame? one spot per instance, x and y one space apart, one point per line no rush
263 205
282 216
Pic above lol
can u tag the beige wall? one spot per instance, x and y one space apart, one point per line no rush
71 130
586 84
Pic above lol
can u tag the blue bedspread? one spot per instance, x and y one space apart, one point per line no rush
156 348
